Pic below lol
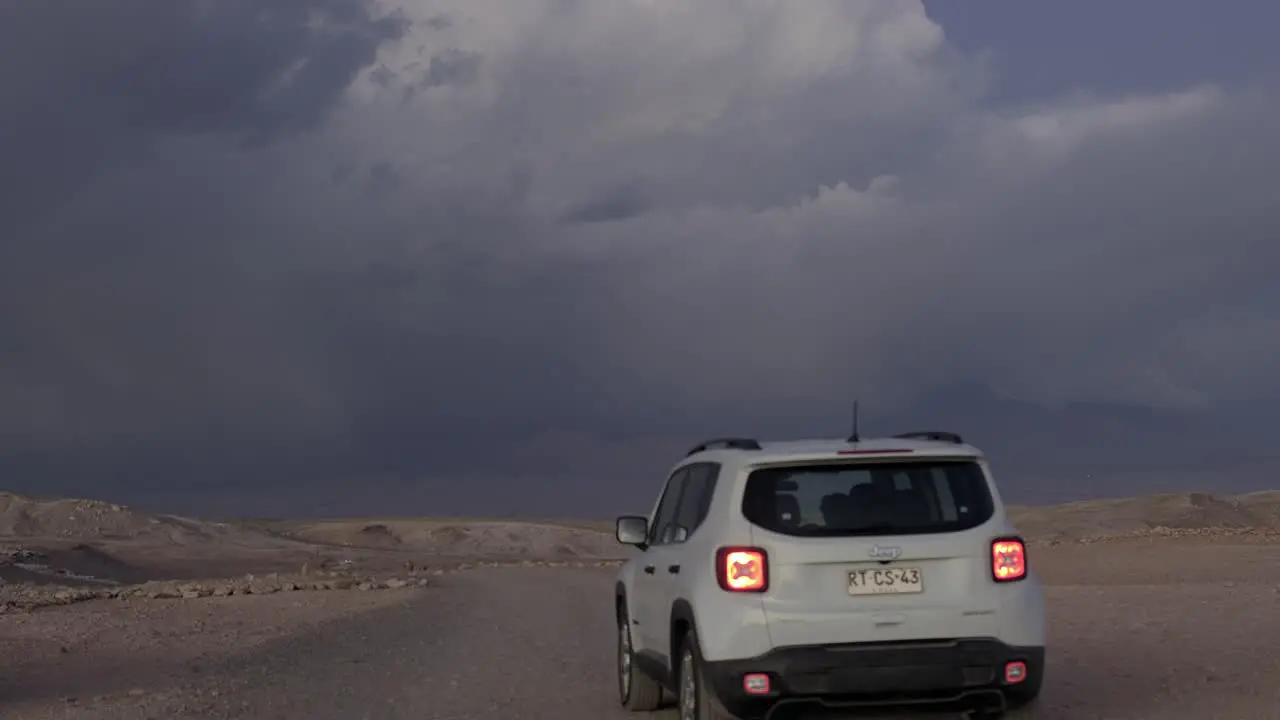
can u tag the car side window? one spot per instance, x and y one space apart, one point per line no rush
696 498
663 526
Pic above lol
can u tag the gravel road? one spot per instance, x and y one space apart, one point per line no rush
533 644
537 644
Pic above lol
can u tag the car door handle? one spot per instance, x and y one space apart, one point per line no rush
648 569
673 569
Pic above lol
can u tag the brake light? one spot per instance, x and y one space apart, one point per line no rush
895 451
1008 559
742 569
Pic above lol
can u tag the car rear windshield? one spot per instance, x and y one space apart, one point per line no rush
869 498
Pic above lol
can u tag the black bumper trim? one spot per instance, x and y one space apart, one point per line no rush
960 673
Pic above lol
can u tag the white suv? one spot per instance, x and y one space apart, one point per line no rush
782 578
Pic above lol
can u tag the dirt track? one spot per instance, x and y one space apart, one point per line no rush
538 644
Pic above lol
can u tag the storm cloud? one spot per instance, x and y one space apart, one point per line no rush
342 238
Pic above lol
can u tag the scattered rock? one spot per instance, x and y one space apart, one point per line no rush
30 597
1259 533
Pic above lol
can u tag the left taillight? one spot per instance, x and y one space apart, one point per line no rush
742 569
1008 559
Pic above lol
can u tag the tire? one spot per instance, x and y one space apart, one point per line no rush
1021 702
694 700
1030 710
637 692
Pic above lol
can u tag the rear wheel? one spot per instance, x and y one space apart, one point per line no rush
694 699
1022 703
1021 699
1028 711
637 691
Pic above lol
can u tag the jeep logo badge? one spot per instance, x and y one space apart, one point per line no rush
885 552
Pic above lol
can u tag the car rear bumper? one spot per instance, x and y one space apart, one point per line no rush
966 673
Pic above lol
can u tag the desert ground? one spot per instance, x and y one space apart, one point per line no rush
1160 607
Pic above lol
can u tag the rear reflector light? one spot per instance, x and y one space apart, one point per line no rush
1008 559
876 452
742 569
1015 672
755 683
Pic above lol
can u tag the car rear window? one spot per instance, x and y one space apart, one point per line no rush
869 498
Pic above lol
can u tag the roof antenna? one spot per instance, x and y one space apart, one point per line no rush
854 437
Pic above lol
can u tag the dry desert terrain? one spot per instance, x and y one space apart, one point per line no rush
1160 607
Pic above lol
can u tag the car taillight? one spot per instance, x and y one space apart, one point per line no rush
1008 559
742 569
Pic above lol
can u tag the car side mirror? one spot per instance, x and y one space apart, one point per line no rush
632 530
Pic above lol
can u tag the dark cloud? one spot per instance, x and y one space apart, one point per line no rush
285 247
618 202
452 67
87 87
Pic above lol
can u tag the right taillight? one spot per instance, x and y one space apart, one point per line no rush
1008 559
742 569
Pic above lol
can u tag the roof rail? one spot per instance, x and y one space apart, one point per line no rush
730 443
935 435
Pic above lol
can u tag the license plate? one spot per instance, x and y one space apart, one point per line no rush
885 581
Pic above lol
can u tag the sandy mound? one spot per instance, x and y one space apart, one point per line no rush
377 535
77 523
71 566
488 538
1092 518
76 519
1263 505
550 540
88 561
22 516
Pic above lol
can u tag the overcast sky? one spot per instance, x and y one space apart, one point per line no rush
264 246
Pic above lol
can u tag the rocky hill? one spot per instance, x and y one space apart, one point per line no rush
23 516
1141 515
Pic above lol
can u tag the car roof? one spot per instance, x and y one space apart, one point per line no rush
756 452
